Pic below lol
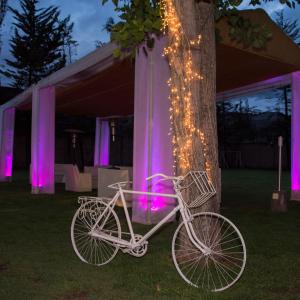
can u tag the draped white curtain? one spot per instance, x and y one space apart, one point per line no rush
43 140
152 142
101 152
295 136
7 126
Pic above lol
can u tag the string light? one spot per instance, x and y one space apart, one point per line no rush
179 55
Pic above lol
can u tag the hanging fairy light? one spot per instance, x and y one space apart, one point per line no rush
181 88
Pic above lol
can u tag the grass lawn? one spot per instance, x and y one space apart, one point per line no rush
37 260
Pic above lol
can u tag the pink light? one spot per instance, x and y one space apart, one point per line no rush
43 139
8 165
152 144
104 151
156 203
102 139
7 143
295 132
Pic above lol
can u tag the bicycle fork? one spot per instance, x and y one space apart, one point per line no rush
187 219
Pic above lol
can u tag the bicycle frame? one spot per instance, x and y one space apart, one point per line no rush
208 250
186 217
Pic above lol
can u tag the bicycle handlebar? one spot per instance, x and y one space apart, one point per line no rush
117 185
122 184
165 177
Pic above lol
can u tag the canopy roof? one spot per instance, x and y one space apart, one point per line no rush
99 85
8 93
238 66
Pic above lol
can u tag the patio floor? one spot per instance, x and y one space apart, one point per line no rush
37 260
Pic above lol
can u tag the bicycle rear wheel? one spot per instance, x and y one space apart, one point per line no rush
90 249
223 265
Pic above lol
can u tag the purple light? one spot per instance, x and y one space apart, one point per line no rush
43 139
156 203
296 132
152 144
7 143
104 151
8 165
101 154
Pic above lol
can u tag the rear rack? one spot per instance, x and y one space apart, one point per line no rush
84 199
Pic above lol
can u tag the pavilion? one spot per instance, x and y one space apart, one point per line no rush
99 85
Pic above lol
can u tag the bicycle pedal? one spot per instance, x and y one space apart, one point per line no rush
125 250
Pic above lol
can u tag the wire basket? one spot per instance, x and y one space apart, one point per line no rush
197 185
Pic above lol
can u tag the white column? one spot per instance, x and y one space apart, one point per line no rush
102 138
43 140
295 137
7 126
152 144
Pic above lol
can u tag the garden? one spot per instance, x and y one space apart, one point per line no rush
37 260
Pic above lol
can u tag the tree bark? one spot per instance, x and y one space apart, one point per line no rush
198 18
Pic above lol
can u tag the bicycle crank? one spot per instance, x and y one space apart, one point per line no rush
141 249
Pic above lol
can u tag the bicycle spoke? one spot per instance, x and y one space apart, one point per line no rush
215 270
90 249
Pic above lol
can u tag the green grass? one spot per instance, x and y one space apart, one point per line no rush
37 260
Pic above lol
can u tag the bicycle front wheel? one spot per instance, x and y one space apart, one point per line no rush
222 265
90 249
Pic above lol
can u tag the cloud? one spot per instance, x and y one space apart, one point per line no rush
273 7
88 16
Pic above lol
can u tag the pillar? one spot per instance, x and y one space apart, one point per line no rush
152 151
7 126
102 138
43 140
295 137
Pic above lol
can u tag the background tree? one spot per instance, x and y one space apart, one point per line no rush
280 100
188 23
3 8
69 44
38 43
289 26
108 26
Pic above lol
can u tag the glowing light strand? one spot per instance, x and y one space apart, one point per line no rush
181 94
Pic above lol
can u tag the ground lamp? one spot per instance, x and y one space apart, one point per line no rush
278 203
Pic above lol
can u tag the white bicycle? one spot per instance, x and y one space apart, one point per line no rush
208 250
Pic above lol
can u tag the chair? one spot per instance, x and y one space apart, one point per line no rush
76 181
94 173
130 171
59 172
110 176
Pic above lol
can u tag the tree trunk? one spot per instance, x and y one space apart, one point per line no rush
196 145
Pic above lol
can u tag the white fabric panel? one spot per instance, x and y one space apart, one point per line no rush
152 143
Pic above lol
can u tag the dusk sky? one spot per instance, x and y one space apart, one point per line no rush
89 16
